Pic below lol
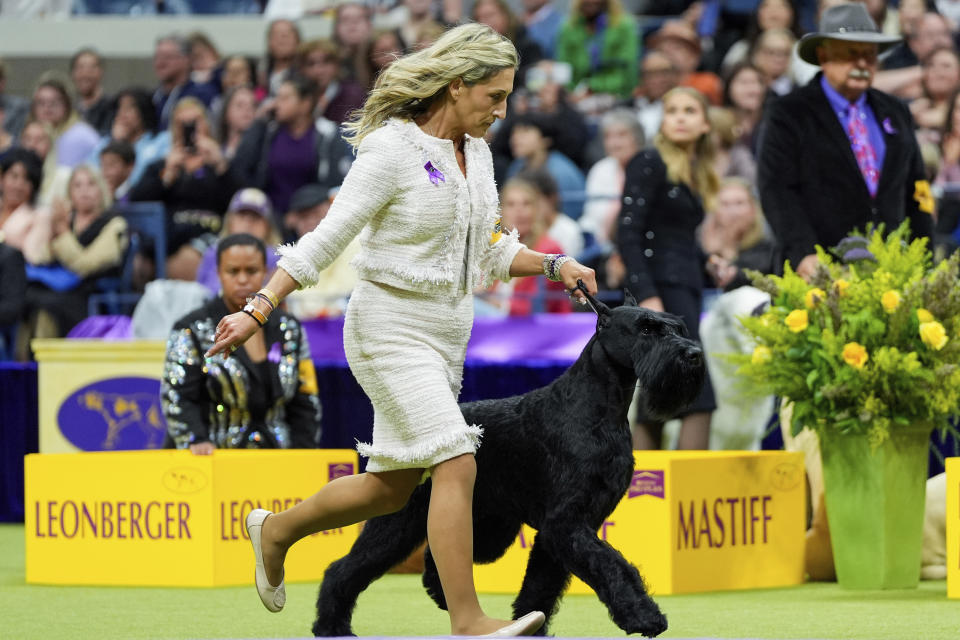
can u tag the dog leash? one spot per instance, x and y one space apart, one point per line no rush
583 288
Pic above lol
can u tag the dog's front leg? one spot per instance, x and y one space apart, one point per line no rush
617 583
543 585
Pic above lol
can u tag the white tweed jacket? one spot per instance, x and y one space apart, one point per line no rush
437 236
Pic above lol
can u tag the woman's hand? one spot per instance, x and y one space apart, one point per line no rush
721 270
173 165
232 331
570 272
202 449
59 217
209 151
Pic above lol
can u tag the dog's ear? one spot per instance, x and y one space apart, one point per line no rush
628 298
602 310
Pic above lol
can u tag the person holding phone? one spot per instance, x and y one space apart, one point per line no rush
194 183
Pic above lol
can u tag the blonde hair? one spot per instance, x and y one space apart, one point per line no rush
106 196
758 231
406 89
695 171
723 123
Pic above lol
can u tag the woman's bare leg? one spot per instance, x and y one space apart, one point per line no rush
345 501
450 536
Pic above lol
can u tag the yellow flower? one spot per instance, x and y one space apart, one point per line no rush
890 301
761 354
855 355
933 334
797 320
841 286
921 193
814 297
924 316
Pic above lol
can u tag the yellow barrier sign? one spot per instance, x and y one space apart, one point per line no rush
696 521
953 527
170 518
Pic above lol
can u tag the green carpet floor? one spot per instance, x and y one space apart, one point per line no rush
396 605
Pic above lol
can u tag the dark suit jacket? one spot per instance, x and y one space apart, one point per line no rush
656 229
811 188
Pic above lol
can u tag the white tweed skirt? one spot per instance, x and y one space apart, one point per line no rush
406 350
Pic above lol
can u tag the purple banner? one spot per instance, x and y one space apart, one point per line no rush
556 338
548 338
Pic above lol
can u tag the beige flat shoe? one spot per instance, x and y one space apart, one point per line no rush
273 598
523 626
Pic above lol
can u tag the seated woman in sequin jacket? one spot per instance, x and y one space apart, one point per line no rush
264 395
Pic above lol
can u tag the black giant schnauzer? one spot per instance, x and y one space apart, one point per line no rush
558 459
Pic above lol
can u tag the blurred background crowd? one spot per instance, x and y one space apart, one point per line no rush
107 195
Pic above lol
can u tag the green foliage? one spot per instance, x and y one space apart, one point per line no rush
879 346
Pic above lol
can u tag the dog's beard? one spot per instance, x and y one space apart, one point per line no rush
669 383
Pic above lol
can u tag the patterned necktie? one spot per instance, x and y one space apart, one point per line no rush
862 149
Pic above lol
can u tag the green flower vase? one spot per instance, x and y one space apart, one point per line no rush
875 503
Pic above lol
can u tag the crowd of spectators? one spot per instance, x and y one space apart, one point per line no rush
231 144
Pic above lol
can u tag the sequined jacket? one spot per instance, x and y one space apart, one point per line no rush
232 401
423 229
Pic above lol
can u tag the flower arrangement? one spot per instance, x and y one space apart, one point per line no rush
870 345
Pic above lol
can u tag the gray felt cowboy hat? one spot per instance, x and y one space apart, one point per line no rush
847 22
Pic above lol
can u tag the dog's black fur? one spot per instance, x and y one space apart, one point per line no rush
559 459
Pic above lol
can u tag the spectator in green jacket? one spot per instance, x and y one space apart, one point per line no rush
600 42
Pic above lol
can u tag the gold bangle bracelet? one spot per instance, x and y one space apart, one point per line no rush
270 296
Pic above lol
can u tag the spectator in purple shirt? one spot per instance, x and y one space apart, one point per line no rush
289 150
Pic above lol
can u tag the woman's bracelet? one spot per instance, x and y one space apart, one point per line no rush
269 297
255 313
552 263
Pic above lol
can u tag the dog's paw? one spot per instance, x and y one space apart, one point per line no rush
322 629
649 625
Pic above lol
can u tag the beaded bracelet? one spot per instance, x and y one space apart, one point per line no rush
549 264
559 262
552 263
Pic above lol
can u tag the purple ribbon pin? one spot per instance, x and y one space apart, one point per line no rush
435 176
888 126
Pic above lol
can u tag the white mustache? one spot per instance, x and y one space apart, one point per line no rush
860 74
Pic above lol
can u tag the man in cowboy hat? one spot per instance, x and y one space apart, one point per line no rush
836 154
